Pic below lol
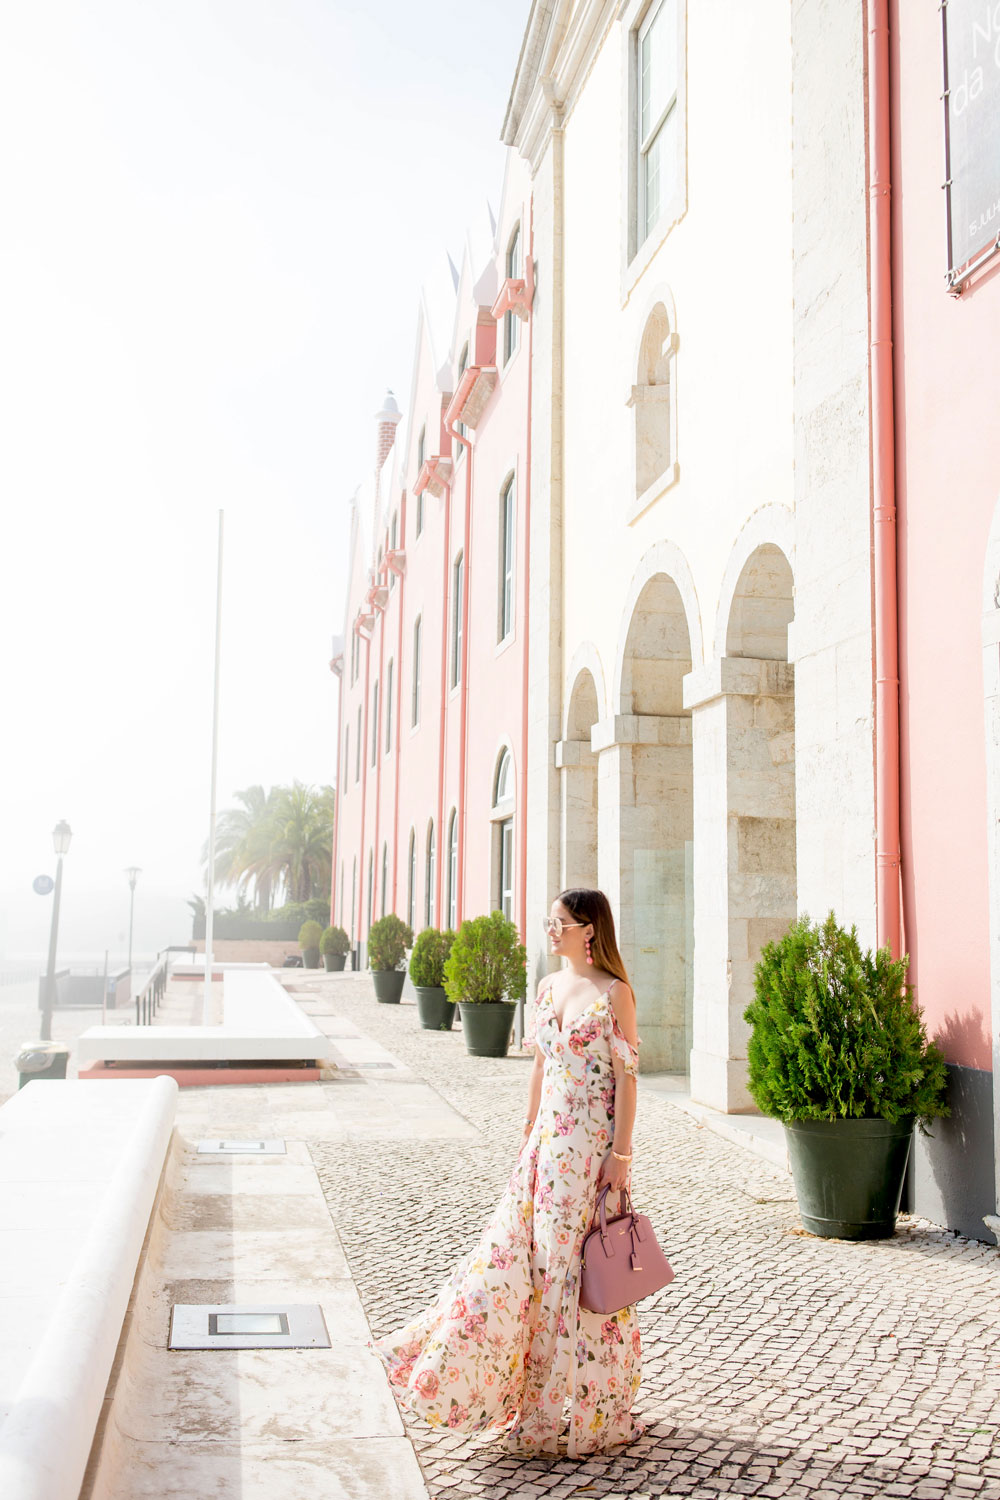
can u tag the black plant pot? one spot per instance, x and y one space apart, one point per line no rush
436 1011
848 1175
487 1025
388 985
334 962
310 958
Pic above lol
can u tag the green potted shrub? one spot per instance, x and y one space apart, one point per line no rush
427 961
838 1052
310 934
334 946
486 974
388 941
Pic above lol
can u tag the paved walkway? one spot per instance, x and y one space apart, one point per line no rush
776 1364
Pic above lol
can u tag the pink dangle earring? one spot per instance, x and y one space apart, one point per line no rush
586 944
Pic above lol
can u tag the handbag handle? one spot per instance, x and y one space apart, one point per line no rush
624 1206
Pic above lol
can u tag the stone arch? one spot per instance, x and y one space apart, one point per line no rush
665 560
653 400
646 802
578 779
770 530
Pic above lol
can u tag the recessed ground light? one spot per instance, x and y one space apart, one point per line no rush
242 1148
229 1326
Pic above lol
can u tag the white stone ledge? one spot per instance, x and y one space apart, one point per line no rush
744 676
640 729
79 1169
261 1023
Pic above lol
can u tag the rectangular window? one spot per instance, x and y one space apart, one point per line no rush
347 755
388 709
513 270
507 868
374 720
357 749
657 114
420 512
415 717
458 581
506 581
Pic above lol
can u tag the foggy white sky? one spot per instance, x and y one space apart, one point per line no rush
217 215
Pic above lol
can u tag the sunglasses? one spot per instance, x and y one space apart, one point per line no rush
555 926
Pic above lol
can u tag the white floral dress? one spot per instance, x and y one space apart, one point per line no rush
505 1345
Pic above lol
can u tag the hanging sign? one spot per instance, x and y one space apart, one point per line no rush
972 132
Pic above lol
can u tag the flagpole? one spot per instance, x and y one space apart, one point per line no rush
210 903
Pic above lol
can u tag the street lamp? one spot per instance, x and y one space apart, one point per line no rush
133 872
61 835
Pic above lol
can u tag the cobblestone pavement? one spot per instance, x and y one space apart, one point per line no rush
776 1364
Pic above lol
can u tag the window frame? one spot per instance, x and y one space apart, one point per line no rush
507 557
374 712
357 750
387 711
429 875
385 875
512 269
453 869
638 248
411 880
415 688
421 445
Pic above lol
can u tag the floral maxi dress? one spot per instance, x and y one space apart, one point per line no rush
506 1345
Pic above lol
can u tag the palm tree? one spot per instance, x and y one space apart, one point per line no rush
282 838
302 846
242 844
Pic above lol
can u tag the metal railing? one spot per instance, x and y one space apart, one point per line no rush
148 1000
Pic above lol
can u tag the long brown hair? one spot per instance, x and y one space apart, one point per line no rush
594 907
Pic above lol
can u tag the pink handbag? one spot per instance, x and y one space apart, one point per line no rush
620 1261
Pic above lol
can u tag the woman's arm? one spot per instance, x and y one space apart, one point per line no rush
615 1171
535 1082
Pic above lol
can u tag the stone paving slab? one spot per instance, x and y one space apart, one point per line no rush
776 1364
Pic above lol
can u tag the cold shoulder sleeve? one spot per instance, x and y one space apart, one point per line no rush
531 1021
619 1043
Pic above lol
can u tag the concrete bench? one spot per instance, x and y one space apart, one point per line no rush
79 1170
260 1022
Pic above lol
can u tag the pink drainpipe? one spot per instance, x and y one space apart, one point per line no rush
522 782
885 623
463 720
445 590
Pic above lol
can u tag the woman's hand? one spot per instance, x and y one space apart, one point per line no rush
614 1173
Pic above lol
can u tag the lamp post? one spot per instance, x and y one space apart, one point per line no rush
133 872
61 835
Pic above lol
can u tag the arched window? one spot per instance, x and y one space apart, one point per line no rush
357 749
505 582
347 756
654 409
374 721
354 901
502 818
453 870
385 876
513 271
429 893
457 590
388 707
411 881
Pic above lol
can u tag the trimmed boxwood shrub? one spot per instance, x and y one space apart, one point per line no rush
487 962
334 940
388 941
429 956
837 1032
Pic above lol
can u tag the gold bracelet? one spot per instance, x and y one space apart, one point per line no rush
619 1155
529 1122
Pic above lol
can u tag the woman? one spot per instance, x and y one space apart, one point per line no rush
506 1344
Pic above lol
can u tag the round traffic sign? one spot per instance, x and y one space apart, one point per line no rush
43 884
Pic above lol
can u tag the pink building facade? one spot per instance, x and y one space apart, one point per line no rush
431 815
946 384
